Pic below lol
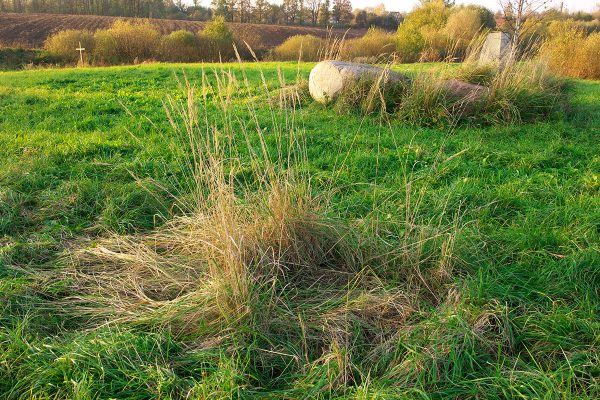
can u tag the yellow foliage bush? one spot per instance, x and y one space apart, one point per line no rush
63 44
373 46
589 57
462 28
420 36
569 51
300 47
126 42
437 31
106 49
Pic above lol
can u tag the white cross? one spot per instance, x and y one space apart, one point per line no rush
80 50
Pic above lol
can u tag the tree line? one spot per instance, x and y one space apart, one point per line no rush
289 12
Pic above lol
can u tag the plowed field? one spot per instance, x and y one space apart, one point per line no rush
30 30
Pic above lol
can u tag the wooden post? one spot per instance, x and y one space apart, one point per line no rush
80 50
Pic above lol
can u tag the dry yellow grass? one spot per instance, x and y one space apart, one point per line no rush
569 51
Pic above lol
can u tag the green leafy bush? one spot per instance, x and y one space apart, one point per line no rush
217 41
180 46
420 36
62 44
17 58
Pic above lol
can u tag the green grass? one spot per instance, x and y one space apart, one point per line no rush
524 319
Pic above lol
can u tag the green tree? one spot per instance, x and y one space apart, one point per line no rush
218 40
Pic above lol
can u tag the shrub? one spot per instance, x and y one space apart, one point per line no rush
420 36
19 58
569 51
62 44
217 41
181 46
588 57
463 26
127 42
299 47
436 31
373 46
559 49
250 44
107 49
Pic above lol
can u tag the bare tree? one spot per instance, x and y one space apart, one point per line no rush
516 12
313 7
260 11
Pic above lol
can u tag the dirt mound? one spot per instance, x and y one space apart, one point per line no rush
30 30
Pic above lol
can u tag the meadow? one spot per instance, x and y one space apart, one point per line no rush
505 304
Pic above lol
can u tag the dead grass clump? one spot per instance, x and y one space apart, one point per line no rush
62 44
524 92
475 73
428 102
292 95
